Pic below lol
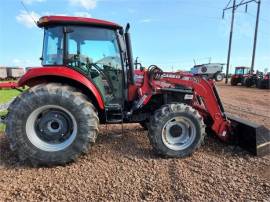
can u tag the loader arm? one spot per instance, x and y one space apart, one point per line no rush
205 97
250 136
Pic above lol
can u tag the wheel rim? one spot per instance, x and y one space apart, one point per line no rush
219 77
178 133
51 128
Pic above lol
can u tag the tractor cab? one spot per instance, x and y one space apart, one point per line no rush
94 48
240 75
242 70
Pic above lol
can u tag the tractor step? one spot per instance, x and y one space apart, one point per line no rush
114 113
111 107
250 136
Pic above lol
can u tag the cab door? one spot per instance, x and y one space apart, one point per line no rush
95 52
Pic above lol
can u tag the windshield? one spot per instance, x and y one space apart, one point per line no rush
90 45
240 71
85 45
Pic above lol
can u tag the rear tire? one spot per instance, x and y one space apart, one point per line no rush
51 124
176 130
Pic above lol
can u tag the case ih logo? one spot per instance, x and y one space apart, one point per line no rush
171 75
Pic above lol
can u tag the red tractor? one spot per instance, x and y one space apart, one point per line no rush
87 78
240 76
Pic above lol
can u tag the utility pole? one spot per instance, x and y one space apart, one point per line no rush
230 43
255 35
234 7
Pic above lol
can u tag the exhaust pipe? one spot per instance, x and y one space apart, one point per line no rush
250 136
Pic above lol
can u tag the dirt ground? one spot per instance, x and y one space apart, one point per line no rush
125 168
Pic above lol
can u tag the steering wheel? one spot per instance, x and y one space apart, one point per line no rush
90 65
74 60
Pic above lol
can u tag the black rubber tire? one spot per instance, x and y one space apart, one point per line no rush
221 77
259 84
233 82
248 82
51 94
263 84
160 118
144 125
267 84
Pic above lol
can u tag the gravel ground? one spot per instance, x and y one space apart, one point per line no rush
125 168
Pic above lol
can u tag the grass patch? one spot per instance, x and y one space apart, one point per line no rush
2 126
7 94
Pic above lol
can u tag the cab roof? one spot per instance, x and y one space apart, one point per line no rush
242 67
69 20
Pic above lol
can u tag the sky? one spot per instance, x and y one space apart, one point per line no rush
169 33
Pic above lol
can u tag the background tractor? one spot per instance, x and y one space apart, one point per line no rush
246 78
87 78
240 76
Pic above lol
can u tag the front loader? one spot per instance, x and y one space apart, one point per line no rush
87 78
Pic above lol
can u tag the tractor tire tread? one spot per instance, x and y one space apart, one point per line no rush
157 120
52 92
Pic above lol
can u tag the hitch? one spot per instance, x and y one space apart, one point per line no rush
250 136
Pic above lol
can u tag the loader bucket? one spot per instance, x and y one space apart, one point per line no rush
250 136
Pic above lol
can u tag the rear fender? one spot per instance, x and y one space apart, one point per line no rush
43 74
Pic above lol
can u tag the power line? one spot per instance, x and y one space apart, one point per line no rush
233 8
230 39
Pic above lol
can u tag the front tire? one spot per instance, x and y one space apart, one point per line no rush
233 82
248 82
51 124
176 130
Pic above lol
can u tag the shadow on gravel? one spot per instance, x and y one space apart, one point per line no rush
214 146
133 144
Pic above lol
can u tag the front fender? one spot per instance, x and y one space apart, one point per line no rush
34 75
